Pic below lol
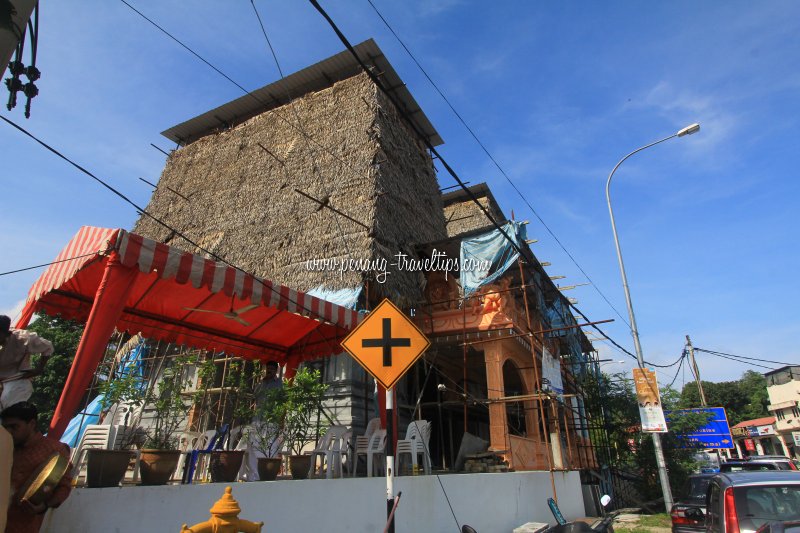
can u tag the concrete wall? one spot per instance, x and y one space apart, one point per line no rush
488 502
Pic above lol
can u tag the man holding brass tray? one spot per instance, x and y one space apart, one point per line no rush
38 472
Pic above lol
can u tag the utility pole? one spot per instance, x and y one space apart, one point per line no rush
696 372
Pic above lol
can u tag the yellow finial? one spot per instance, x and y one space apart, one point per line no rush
225 518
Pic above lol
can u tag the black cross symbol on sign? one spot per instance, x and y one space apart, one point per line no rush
386 342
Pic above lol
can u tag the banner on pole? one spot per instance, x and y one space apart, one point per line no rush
649 400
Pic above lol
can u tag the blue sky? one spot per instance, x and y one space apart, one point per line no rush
557 91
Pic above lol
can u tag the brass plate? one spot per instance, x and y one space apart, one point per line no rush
44 480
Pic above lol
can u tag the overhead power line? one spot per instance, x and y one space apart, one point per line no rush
681 360
495 162
144 212
391 97
714 352
736 359
45 264
315 167
415 128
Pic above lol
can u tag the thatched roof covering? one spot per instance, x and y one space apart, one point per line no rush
344 145
463 216
311 79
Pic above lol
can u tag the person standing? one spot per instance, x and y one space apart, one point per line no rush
16 348
31 451
6 453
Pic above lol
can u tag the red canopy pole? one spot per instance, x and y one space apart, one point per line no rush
109 301
27 314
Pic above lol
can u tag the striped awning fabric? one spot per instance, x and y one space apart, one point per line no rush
189 299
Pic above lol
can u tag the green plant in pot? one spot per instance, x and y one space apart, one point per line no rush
266 431
304 395
169 409
225 464
106 468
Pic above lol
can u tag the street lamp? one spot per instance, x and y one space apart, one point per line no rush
662 467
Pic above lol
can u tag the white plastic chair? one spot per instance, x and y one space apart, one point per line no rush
375 447
415 444
99 436
329 452
362 441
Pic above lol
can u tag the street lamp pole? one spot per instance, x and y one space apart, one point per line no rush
662 467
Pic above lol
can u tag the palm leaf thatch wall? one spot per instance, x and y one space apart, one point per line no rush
462 215
345 145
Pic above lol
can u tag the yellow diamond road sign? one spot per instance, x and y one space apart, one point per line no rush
386 343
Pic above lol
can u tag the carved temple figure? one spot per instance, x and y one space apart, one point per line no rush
493 298
442 291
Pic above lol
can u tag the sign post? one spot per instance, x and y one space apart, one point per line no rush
714 434
387 343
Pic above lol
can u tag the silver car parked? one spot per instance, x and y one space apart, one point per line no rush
741 502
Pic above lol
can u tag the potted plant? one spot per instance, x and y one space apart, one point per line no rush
304 394
266 431
160 454
225 464
104 467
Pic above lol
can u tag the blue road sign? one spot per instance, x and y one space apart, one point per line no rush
716 434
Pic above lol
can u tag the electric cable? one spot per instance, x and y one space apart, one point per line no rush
713 352
383 89
739 360
251 94
46 264
314 166
142 211
681 360
494 161
425 140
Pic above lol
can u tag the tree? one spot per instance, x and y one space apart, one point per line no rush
744 399
65 336
633 449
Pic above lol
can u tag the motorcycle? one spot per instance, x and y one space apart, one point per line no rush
604 525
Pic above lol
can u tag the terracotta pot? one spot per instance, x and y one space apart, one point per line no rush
106 468
299 465
268 468
225 465
157 466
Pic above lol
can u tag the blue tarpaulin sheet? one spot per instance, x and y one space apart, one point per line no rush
494 248
76 427
342 297
130 362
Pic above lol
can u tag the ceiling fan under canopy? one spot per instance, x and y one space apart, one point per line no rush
232 314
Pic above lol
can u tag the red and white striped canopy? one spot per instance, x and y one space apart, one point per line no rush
172 285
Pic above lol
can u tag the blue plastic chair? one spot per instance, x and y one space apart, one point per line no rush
214 444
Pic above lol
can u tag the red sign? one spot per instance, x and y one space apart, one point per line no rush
749 445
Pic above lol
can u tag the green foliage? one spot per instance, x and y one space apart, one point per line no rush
303 397
267 426
240 378
169 406
65 336
126 388
744 399
631 448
